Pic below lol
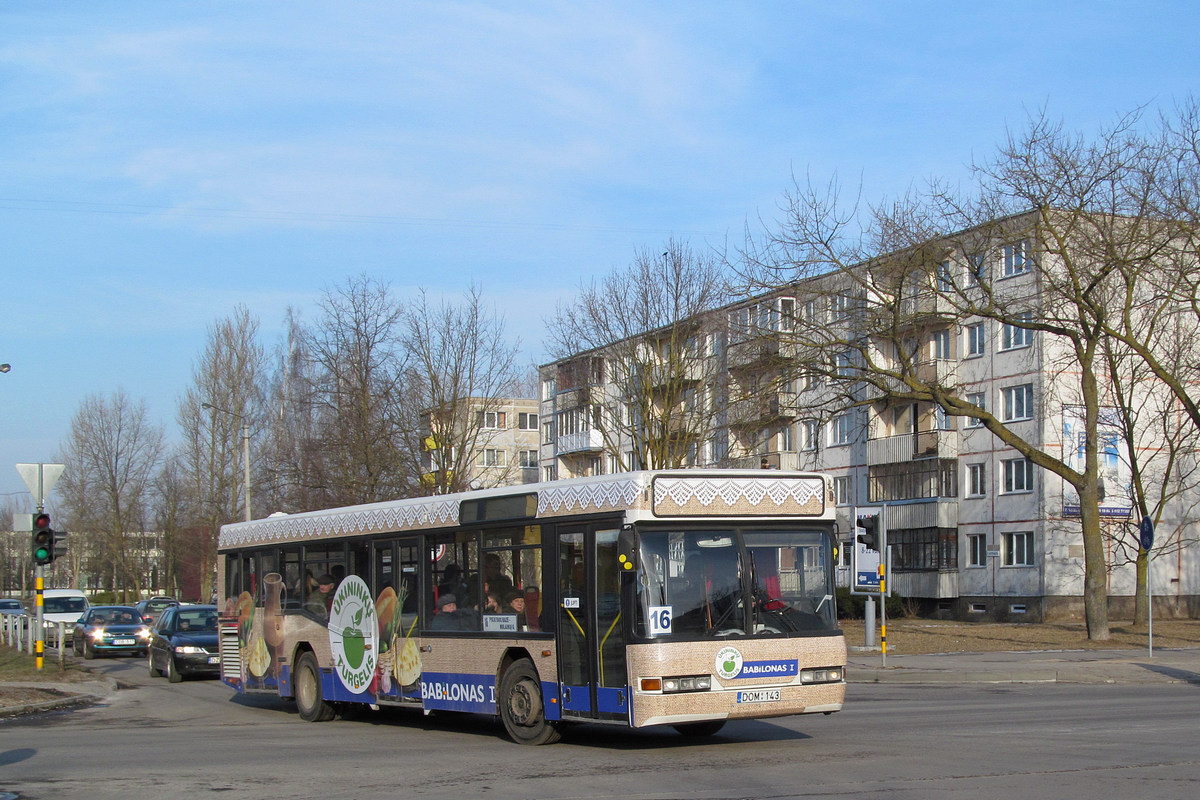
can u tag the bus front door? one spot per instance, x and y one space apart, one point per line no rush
591 639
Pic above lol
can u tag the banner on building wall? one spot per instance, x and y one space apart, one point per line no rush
1113 453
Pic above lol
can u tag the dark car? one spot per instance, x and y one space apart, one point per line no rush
10 606
154 607
184 642
116 630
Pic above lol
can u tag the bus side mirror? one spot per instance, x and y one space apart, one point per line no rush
626 550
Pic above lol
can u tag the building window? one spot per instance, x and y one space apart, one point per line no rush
528 458
976 340
976 480
550 473
841 491
1017 259
493 457
977 550
547 432
1017 549
976 399
809 434
841 430
1018 475
548 389
839 307
977 264
1013 336
945 283
527 422
942 420
808 312
1017 402
785 438
924 549
491 420
941 344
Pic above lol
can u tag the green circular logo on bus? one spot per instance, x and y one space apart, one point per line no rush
729 662
354 634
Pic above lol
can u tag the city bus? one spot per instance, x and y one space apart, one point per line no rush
682 598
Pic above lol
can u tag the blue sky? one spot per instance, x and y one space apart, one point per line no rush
162 162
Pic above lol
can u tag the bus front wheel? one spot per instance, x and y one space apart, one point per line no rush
699 729
522 708
310 702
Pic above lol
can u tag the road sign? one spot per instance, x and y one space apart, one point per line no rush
1146 533
40 478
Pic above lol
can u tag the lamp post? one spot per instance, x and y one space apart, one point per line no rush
245 447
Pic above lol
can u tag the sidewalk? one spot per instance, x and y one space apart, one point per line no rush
1178 665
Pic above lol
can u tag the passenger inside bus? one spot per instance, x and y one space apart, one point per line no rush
450 617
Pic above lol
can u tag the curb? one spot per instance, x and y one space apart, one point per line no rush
97 691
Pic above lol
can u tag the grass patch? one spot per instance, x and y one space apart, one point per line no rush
17 666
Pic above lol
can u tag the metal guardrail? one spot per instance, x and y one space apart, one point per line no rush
18 631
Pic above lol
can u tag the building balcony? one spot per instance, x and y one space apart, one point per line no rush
762 408
582 442
790 461
912 446
760 351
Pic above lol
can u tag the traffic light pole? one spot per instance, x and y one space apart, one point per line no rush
39 582
39 588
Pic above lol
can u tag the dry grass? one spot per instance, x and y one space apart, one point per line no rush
17 667
911 635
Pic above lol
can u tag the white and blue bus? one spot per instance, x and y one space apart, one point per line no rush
680 598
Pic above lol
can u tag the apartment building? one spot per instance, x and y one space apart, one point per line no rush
494 442
819 375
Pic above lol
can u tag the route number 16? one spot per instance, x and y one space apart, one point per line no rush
660 620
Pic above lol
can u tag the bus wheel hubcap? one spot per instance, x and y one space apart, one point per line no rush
525 704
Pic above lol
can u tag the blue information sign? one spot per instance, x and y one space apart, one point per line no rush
1146 533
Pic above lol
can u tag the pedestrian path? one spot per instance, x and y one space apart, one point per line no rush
1035 666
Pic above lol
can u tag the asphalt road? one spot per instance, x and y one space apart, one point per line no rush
895 741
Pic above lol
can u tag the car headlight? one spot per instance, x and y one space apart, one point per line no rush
189 649
98 633
144 633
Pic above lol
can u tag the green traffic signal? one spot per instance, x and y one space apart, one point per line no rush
43 541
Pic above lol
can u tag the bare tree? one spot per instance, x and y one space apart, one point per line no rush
358 368
292 464
649 332
461 371
1053 248
221 407
111 456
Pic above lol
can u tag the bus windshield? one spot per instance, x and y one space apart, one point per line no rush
729 583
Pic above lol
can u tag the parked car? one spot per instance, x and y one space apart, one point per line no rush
184 642
10 606
61 605
153 608
118 630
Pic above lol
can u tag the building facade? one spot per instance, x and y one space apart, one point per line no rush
819 375
499 438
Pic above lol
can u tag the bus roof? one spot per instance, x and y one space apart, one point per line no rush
658 494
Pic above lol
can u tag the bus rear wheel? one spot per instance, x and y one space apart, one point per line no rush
522 708
310 702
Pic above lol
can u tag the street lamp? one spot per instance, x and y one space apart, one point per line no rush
245 447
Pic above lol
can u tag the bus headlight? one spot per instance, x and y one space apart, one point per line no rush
826 675
677 684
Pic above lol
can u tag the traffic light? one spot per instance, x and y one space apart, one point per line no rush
43 540
870 526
